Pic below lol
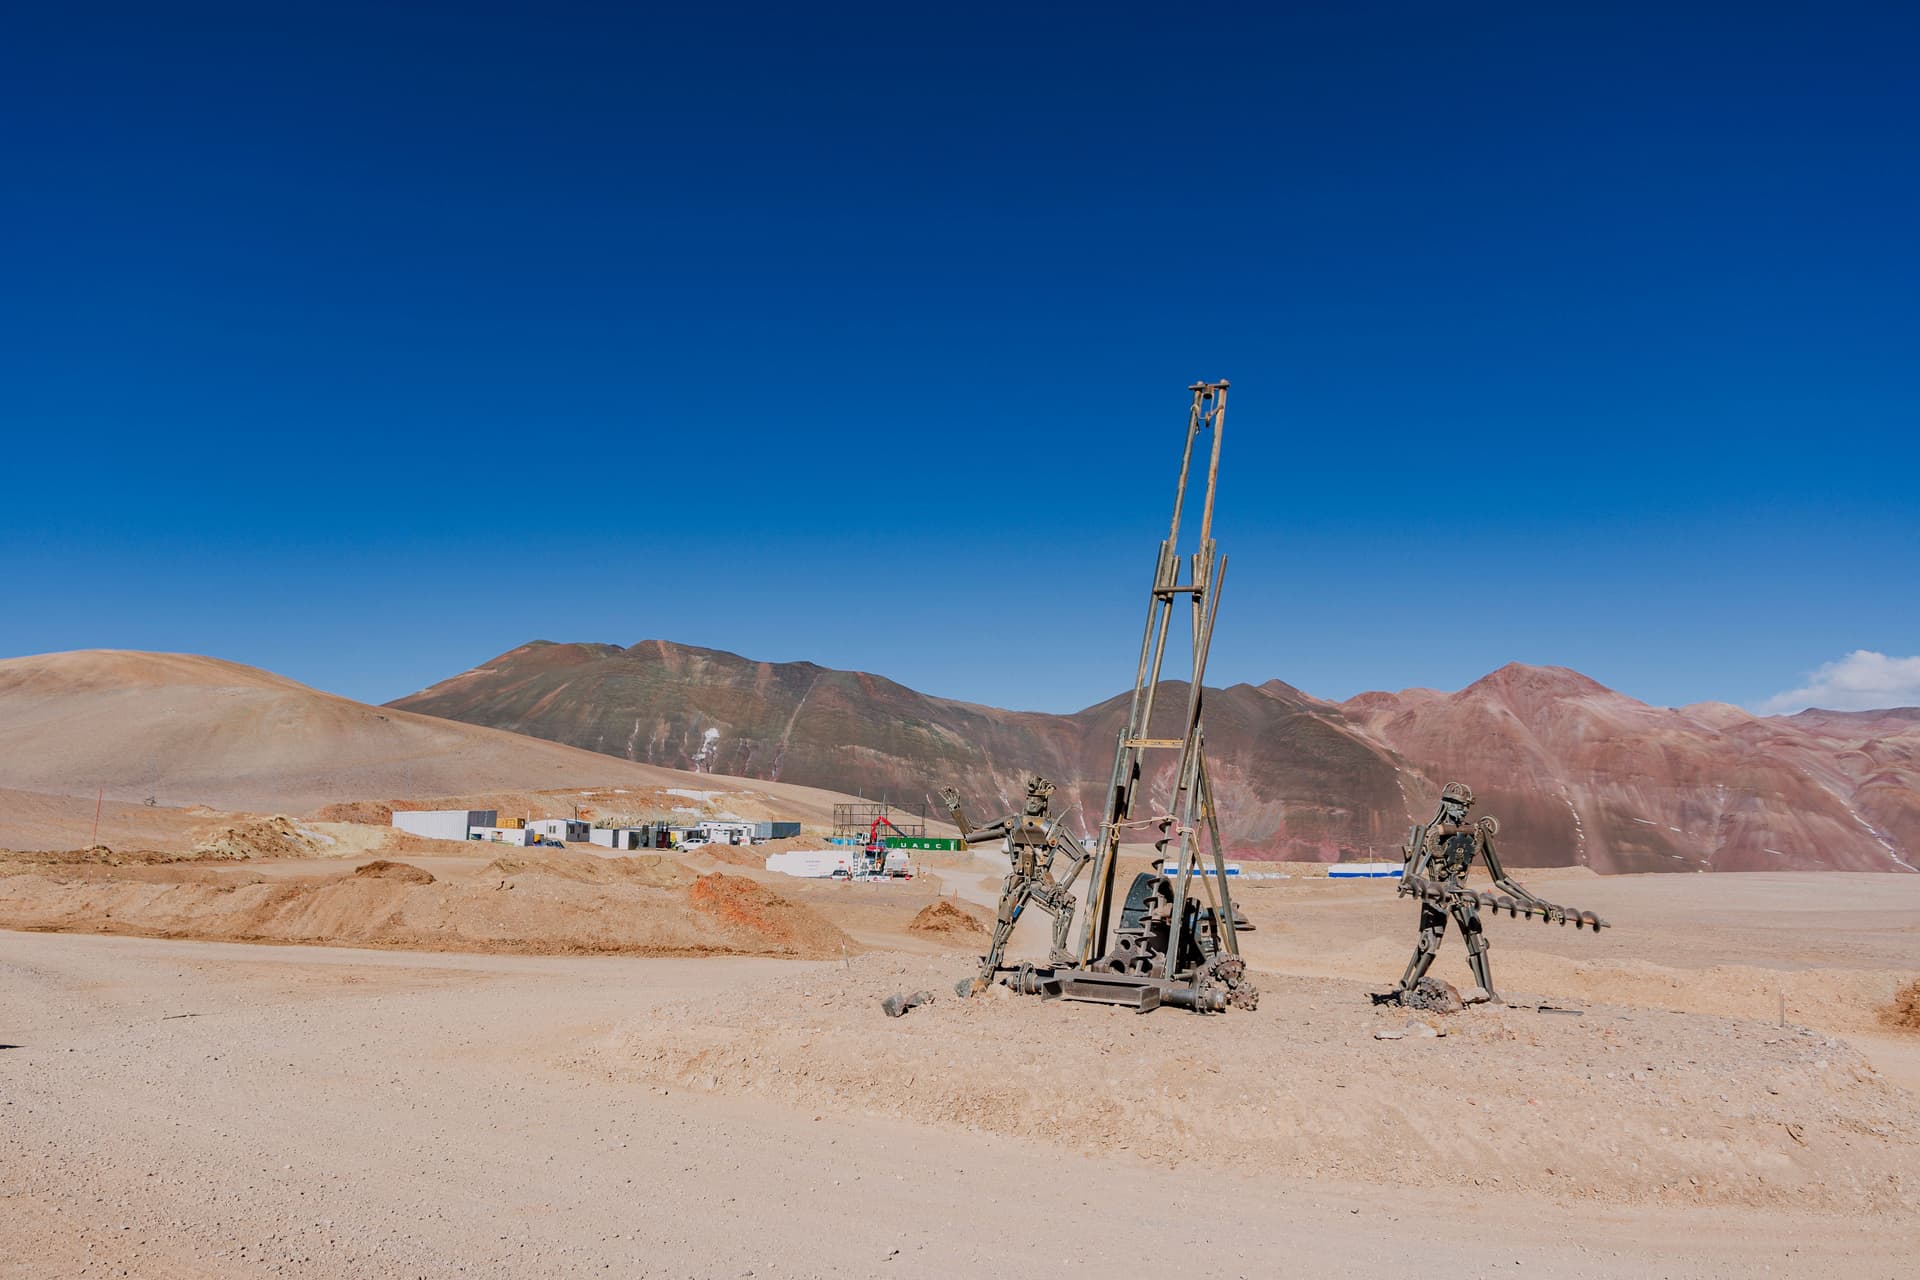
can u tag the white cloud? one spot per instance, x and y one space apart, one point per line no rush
1861 681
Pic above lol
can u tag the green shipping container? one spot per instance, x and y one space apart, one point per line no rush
927 844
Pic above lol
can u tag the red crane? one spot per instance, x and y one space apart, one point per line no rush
876 849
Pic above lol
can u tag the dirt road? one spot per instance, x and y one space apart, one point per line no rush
173 1109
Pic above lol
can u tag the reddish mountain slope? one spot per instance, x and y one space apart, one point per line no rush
1295 779
1575 772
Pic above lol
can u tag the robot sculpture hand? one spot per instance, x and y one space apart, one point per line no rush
1032 840
1443 852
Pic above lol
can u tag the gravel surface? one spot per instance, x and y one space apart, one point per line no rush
177 1108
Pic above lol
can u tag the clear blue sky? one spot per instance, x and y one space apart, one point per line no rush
363 344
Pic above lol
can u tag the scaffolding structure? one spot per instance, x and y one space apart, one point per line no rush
853 821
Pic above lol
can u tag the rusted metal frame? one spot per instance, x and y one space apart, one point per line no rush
1206 412
1128 758
1126 780
1218 416
1197 421
1177 926
1205 610
1100 880
1224 905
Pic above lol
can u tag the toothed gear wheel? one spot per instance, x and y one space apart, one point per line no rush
1230 969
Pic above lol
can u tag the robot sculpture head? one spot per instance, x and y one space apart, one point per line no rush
1039 790
1455 799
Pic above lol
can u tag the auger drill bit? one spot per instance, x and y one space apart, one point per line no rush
1548 912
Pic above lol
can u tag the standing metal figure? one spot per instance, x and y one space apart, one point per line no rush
1438 857
1033 841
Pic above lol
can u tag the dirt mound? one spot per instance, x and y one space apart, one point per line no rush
275 837
565 904
101 855
944 919
1697 1110
751 913
372 813
1904 1012
654 870
381 869
737 855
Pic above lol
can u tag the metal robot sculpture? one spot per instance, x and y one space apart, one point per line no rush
1034 840
1437 858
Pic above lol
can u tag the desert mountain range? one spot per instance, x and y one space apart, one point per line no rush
1577 773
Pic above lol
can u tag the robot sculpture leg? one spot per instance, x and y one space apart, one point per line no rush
1433 927
1014 893
1061 904
1469 918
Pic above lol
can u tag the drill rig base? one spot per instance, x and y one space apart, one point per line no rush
1140 992
1142 995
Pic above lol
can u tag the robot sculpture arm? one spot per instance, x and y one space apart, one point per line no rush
968 832
1415 857
1077 854
1488 827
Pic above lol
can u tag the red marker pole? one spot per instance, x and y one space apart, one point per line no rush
97 800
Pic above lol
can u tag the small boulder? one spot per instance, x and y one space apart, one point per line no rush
897 1004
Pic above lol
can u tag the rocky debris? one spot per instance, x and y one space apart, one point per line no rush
897 1004
1434 996
1387 1033
1429 994
1477 995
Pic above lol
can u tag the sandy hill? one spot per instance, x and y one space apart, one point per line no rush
1577 772
190 730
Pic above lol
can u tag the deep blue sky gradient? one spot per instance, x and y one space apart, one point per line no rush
363 345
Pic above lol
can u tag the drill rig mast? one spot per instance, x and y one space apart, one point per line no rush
1165 947
1195 938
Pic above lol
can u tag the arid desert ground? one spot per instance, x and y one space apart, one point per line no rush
1734 1096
